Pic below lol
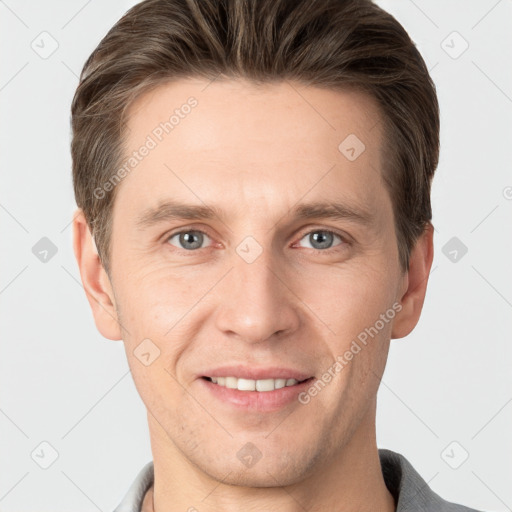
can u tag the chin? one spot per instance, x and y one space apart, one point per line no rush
276 470
263 477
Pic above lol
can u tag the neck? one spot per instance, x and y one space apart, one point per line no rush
350 481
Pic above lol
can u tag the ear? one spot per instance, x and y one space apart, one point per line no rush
95 280
414 284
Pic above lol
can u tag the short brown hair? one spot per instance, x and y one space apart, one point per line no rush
333 44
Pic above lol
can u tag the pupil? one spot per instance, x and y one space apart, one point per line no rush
188 238
320 238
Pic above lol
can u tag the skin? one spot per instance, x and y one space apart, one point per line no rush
257 151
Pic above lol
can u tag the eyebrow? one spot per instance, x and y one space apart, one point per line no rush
175 210
333 210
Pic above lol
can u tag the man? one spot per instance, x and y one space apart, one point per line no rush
253 182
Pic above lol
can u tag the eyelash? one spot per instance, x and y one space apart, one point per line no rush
344 240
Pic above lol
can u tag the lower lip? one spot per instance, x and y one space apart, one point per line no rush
261 401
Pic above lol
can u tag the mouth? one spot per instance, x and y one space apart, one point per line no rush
259 385
257 396
254 388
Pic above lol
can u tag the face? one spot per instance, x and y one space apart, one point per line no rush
250 242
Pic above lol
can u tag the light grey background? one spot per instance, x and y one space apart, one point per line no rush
447 387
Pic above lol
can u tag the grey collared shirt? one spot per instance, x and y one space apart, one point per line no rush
411 492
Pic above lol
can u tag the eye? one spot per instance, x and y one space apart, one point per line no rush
321 239
189 240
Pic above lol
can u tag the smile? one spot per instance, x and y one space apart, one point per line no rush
253 385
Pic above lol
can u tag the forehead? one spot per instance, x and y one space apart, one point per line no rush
239 142
243 111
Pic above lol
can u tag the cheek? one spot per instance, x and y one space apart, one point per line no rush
154 299
168 307
347 298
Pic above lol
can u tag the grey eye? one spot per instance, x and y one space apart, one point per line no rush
321 239
188 240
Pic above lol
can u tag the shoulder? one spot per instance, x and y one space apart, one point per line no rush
132 501
411 492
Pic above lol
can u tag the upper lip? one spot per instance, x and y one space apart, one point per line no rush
255 373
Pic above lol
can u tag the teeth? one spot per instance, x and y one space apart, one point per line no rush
245 384
265 385
253 385
231 382
279 383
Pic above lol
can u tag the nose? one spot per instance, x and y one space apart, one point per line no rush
257 301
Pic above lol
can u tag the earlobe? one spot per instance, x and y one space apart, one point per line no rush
95 280
415 284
